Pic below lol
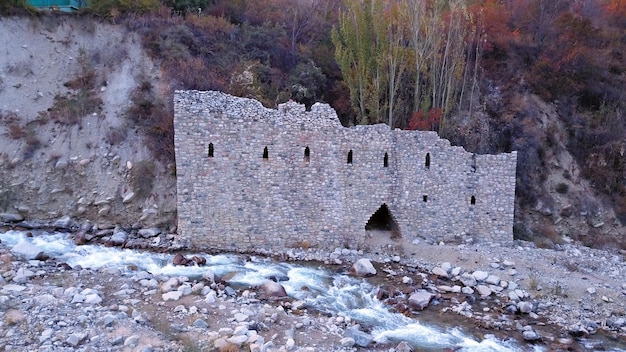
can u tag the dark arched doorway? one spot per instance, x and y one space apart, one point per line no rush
383 222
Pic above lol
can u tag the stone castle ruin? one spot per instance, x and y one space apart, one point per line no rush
252 178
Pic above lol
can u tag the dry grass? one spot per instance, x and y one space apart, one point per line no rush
16 131
229 348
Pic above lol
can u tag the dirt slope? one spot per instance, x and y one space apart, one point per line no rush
74 156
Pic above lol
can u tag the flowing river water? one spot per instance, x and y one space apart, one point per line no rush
326 291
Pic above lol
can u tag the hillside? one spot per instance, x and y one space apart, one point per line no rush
66 145
87 103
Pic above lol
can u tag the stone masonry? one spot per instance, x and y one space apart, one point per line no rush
252 178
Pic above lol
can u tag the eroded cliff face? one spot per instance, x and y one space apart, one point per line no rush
67 147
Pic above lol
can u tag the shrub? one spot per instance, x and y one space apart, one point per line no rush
71 109
32 144
16 131
10 6
562 188
521 232
142 178
116 135
155 120
546 236
108 7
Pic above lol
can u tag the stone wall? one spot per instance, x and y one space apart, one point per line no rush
255 178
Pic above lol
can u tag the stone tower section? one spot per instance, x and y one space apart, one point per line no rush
252 178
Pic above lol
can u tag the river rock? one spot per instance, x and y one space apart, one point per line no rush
172 296
11 217
492 280
170 285
209 275
440 272
361 338
273 289
80 238
480 275
511 308
149 233
75 339
185 289
28 251
363 267
508 263
200 323
483 290
93 298
199 260
118 238
180 259
45 300
404 347
513 296
468 280
525 307
237 340
63 222
531 335
347 342
22 275
456 271
131 341
467 290
420 299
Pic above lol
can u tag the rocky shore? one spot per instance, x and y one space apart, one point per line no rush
562 299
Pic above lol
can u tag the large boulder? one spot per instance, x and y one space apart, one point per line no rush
11 217
199 260
180 259
62 223
420 299
149 233
29 251
361 338
363 267
118 238
273 289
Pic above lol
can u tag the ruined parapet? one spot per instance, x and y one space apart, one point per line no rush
253 178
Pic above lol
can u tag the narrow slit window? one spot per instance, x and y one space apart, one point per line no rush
386 160
427 163
425 198
473 167
210 154
473 200
307 154
350 157
265 153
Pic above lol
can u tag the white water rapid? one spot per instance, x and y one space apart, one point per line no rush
322 290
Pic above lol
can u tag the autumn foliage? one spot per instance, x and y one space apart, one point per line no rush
425 122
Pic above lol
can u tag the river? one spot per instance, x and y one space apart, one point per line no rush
325 291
